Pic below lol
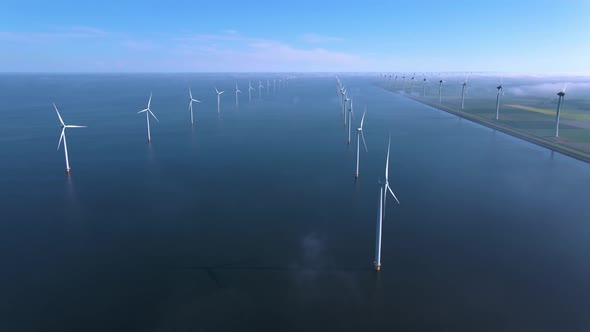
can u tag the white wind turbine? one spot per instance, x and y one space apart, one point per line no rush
440 84
464 84
267 87
404 83
412 84
218 98
250 88
346 99
237 91
424 81
260 86
359 135
500 91
561 100
63 137
148 111
190 103
274 87
395 82
384 188
350 115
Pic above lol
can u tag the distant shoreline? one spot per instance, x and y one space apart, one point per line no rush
570 152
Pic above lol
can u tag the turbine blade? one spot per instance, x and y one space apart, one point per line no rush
364 142
392 194
149 101
145 110
153 115
363 118
61 137
59 116
74 126
190 93
196 101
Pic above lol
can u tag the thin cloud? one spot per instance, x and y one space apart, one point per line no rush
314 38
63 33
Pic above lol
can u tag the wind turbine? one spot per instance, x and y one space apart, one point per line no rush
350 115
561 95
148 111
464 84
190 103
250 88
345 101
404 83
424 81
440 84
259 89
500 91
218 98
63 137
359 135
274 87
395 82
412 84
237 91
383 190
267 87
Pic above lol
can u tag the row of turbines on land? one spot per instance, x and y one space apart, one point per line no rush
500 91
281 84
346 104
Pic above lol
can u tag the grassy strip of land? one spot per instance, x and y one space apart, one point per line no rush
568 151
565 115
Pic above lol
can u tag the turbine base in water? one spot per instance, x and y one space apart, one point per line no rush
377 267
67 171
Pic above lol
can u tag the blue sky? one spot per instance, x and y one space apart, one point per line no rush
270 36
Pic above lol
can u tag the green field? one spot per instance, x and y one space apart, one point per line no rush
527 118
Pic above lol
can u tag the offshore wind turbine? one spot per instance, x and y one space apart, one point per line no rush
250 88
345 101
500 91
63 137
274 87
424 81
464 86
218 98
190 103
561 95
237 91
260 89
148 112
359 135
350 115
395 82
412 84
383 190
267 87
440 84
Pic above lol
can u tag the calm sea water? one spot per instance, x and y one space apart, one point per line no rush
252 219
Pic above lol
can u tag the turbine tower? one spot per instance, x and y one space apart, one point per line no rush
148 112
190 103
500 91
359 135
345 101
260 86
63 137
395 82
412 84
218 98
384 188
561 95
267 87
